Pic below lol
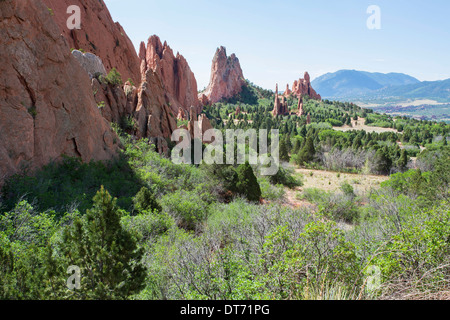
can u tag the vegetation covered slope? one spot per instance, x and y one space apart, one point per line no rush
207 232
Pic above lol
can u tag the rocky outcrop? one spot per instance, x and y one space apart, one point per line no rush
111 101
198 125
92 64
288 91
152 113
144 107
227 78
300 110
47 108
280 105
98 35
181 114
204 101
303 87
175 73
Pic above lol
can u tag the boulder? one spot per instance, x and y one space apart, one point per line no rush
92 64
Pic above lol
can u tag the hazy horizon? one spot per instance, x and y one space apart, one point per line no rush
276 42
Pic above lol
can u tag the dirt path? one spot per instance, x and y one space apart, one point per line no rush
292 200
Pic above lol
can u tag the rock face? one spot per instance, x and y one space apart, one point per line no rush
198 125
47 108
175 73
92 64
300 110
288 91
303 87
112 101
145 107
152 113
181 114
98 35
280 105
227 78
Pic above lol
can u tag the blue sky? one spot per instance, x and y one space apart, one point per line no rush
277 41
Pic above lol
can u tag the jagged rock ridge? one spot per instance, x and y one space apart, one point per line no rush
303 87
175 73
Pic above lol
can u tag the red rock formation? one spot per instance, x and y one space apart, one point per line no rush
98 35
111 100
204 101
175 73
198 125
303 87
181 114
300 106
227 78
288 92
280 106
154 116
47 108
146 105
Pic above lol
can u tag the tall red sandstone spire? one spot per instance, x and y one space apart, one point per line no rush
227 78
300 106
280 106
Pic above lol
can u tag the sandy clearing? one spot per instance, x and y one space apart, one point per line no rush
360 125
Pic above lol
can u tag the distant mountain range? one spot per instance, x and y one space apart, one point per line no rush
392 87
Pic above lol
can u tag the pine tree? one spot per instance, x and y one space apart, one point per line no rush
284 154
403 160
383 162
107 255
297 146
288 142
303 131
247 184
308 152
145 201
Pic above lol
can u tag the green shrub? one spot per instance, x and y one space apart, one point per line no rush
114 78
247 183
285 177
188 208
145 201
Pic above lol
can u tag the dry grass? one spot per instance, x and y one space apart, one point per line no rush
360 125
332 181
